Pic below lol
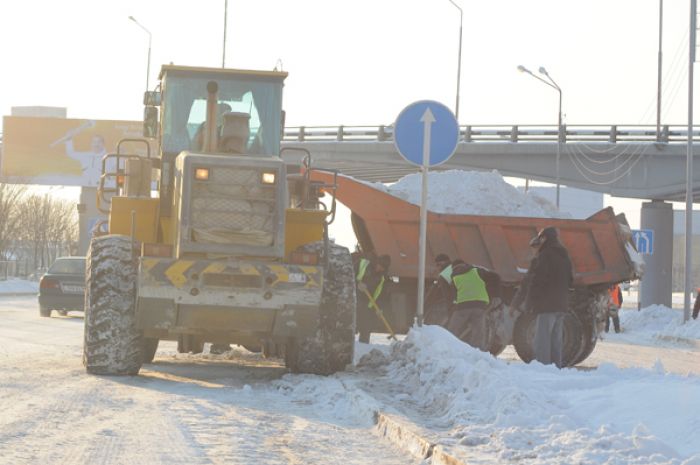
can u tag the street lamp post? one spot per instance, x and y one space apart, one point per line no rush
148 66
459 58
551 83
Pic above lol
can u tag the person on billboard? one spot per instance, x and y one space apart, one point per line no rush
91 160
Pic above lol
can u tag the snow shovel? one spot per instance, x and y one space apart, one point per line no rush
380 314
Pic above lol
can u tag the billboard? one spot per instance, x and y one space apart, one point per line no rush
62 151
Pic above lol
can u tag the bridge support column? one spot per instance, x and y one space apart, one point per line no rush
656 285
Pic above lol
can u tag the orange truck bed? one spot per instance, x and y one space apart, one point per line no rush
389 225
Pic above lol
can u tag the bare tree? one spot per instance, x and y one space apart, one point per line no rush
10 199
48 228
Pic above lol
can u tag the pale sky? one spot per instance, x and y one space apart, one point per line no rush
359 62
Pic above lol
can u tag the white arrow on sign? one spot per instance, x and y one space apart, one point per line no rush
427 119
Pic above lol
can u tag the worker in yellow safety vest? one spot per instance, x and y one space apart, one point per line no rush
372 276
470 287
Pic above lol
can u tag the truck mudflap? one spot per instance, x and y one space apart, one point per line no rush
238 284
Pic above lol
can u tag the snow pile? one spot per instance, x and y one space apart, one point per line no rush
471 193
660 322
532 414
330 396
18 286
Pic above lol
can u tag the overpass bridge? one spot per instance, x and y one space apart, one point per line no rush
624 161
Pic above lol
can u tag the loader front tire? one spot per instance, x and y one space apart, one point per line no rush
112 343
332 347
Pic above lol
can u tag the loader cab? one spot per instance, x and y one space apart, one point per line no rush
257 94
252 96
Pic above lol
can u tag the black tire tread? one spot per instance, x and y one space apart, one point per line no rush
112 343
332 347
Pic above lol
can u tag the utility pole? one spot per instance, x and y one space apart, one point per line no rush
658 77
689 168
223 59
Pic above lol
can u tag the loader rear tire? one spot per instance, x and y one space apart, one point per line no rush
188 343
112 343
332 347
149 348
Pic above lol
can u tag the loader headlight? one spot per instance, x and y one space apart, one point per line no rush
201 174
268 178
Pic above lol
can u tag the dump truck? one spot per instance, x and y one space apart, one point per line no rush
214 239
600 247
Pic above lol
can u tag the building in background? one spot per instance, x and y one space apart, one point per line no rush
679 250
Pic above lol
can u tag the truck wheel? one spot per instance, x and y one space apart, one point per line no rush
332 347
524 335
44 311
590 308
112 343
148 350
187 343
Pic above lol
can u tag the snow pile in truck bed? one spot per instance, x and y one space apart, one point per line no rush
472 193
490 411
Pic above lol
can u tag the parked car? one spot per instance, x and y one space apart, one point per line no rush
62 287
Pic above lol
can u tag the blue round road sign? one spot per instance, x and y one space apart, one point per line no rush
426 126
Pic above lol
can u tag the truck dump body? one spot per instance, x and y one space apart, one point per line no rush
599 246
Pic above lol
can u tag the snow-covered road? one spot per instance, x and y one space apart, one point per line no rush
238 408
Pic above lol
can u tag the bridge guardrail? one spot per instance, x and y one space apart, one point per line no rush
612 134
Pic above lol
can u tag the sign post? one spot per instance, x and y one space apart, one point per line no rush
426 134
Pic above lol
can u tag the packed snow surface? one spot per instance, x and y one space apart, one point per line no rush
471 193
18 286
491 411
657 322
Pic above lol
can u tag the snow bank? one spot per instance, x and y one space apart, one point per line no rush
494 412
471 193
18 286
660 322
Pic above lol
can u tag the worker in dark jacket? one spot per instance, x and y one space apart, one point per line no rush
547 295
471 299
696 307
440 295
372 277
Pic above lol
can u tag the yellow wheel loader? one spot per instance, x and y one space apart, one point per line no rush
212 240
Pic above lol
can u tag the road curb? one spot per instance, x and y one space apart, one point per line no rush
404 437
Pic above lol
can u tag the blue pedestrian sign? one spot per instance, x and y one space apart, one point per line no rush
643 240
426 133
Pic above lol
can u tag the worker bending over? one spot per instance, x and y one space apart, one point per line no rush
471 300
372 275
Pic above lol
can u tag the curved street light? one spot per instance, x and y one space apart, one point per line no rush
459 58
148 66
551 83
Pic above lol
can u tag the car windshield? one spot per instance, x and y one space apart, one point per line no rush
68 266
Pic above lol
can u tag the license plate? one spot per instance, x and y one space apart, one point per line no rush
72 289
297 278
